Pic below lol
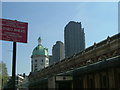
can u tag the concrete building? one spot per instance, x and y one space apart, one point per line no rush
24 84
40 58
97 67
19 80
50 59
74 38
58 52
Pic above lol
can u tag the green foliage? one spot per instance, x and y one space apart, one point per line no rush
3 74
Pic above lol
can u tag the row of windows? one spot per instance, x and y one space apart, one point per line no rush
36 65
47 61
36 60
42 61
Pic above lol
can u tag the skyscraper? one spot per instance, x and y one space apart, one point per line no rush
74 38
57 52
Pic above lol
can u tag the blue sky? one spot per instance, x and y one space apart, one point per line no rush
48 19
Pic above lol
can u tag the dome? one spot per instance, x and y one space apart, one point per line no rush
40 50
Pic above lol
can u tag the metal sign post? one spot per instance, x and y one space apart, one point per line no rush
16 31
14 67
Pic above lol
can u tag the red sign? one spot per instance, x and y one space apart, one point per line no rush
12 30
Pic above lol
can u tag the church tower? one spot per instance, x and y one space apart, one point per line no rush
39 58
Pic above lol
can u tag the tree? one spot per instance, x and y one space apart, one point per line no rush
3 74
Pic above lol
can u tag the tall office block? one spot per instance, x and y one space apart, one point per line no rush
58 52
74 38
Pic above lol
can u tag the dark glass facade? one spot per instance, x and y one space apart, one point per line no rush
74 38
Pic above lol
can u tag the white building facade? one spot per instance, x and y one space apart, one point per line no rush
40 57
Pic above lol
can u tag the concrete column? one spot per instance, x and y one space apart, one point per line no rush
72 86
117 72
111 78
85 80
51 82
97 80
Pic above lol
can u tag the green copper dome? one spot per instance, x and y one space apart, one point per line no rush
40 50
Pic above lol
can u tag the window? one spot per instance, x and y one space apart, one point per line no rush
35 69
46 61
35 65
36 60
